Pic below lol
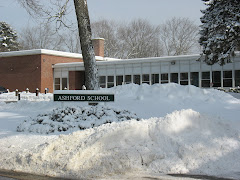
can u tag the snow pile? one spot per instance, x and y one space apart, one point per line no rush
6 97
74 118
182 142
183 129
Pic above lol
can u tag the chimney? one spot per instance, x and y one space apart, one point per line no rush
98 44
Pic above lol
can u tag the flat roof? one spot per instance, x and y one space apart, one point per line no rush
139 60
133 61
40 51
49 52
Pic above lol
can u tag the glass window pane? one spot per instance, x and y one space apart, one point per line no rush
145 78
128 79
119 80
102 79
205 75
174 77
164 78
136 79
184 76
155 78
194 78
227 74
57 87
237 78
64 83
227 82
205 83
110 82
57 80
110 78
216 78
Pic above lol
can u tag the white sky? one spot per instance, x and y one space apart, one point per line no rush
156 11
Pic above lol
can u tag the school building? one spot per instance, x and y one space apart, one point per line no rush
57 70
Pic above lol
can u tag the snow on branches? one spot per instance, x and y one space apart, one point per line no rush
220 30
8 38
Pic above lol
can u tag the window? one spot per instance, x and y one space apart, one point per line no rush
205 79
145 78
216 78
136 79
174 77
128 79
194 78
64 83
110 81
57 83
237 78
155 78
164 78
184 78
227 78
119 80
102 81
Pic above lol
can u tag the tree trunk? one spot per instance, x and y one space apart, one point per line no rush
84 28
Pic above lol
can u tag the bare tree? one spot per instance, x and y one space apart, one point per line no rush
57 13
139 39
136 39
108 30
42 36
72 42
178 36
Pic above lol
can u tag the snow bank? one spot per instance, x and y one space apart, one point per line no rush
185 130
182 142
7 97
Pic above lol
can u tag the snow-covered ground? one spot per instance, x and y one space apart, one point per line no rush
183 129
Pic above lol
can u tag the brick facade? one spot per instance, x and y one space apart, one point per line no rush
20 72
47 71
33 68
30 71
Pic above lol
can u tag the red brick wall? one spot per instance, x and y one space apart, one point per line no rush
30 71
20 72
47 71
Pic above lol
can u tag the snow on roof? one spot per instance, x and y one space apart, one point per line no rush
112 61
40 51
50 52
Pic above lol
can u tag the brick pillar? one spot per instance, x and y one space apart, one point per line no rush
98 45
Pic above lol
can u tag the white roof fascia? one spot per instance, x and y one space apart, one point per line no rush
40 51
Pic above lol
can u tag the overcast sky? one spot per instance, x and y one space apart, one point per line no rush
156 11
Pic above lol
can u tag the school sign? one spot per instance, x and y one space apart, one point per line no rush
90 96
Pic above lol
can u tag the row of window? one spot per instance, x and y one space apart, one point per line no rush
208 79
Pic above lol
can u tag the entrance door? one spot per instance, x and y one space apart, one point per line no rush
76 80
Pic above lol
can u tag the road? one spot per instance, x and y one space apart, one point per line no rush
11 175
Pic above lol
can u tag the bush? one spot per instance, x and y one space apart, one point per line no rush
74 118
